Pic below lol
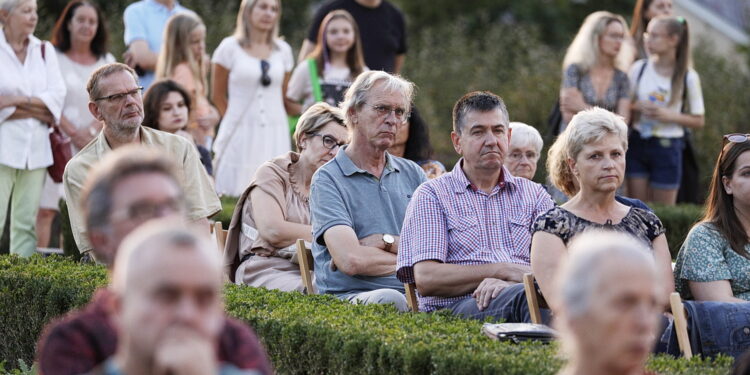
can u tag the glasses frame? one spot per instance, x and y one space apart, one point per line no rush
120 96
323 138
381 109
265 79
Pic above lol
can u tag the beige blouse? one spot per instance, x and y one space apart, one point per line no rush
274 178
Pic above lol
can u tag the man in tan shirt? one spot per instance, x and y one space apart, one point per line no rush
115 99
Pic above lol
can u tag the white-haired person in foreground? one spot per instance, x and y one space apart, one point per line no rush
610 303
525 148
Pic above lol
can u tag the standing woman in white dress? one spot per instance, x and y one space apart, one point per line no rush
250 73
80 40
31 96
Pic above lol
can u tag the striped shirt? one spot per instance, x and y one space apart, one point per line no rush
450 221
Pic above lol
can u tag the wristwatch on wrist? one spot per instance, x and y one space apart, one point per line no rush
389 241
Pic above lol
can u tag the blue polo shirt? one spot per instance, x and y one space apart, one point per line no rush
146 20
344 194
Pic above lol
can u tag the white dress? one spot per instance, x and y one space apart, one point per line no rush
75 109
254 128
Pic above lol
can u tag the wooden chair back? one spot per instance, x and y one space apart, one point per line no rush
306 266
680 324
411 296
221 235
532 298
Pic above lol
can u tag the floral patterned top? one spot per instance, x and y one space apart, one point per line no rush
707 256
642 224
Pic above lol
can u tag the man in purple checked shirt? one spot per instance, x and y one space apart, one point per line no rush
466 236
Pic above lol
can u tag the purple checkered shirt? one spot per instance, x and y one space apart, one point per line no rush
450 221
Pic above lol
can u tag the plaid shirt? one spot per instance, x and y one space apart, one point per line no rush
84 339
451 221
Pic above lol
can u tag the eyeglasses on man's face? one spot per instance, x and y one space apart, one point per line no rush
118 98
328 141
384 110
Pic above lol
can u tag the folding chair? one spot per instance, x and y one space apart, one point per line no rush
221 236
680 324
306 266
532 298
411 296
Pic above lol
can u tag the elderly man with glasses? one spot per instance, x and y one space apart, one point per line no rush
358 199
116 101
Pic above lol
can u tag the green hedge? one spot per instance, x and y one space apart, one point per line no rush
303 334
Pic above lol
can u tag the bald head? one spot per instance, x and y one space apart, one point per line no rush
167 283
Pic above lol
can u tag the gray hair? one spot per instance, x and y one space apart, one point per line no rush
105 71
587 126
524 134
582 274
481 101
8 6
315 118
155 236
358 92
96 195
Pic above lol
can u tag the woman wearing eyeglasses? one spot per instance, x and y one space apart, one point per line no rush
593 68
32 93
714 261
250 73
273 212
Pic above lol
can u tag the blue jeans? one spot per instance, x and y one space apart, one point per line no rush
714 328
510 305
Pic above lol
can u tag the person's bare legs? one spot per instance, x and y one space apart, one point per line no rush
664 196
638 188
44 220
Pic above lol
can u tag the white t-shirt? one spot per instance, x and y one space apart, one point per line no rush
658 89
334 83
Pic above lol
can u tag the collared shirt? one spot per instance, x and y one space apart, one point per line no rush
344 194
145 20
451 222
197 187
24 143
85 338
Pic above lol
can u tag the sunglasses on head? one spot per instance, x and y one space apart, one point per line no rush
265 79
735 138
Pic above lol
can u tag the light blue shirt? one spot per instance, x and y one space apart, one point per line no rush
146 20
344 194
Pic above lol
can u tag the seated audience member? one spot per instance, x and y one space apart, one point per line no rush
274 212
167 107
466 235
115 99
524 150
413 143
167 305
595 143
713 264
609 305
128 187
358 199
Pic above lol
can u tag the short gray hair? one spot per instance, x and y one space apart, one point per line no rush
8 6
156 235
587 126
358 92
524 134
582 273
315 118
105 71
481 101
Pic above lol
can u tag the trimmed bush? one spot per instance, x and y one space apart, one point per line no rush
303 334
678 220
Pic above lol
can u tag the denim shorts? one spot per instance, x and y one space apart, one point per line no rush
657 159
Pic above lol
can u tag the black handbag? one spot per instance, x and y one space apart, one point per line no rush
519 332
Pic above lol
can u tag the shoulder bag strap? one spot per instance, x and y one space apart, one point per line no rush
315 80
